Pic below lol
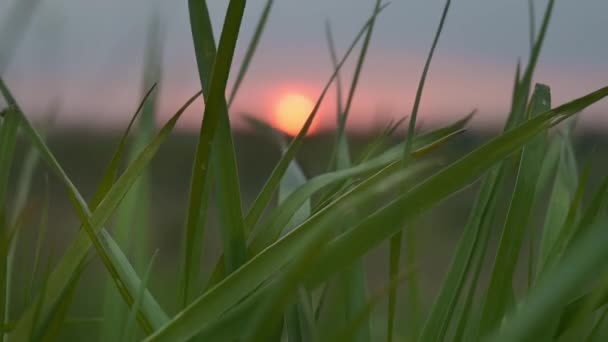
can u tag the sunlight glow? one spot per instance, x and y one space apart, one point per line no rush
291 112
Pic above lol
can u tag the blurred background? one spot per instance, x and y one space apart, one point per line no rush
88 58
82 63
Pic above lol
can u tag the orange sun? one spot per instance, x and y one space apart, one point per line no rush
291 112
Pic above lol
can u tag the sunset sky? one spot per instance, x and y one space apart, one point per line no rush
87 56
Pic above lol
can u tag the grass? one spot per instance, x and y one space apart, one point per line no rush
295 270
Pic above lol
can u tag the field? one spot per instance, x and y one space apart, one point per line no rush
408 233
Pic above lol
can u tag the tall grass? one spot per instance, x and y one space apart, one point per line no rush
295 270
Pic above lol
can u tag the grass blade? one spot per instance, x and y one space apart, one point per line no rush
130 327
133 216
42 229
395 242
444 183
334 61
342 148
353 282
8 140
584 262
270 230
371 231
345 333
500 290
237 285
265 195
213 73
61 276
564 188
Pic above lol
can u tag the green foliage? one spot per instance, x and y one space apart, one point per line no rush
296 270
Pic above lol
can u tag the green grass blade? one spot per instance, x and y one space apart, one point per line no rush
61 275
531 23
130 327
591 216
30 334
331 46
253 44
270 230
523 86
295 320
444 183
564 188
56 324
294 317
582 264
110 173
418 98
500 290
237 285
278 220
395 242
568 231
8 140
343 159
133 215
285 287
346 332
355 242
24 185
353 282
213 74
594 334
265 195
468 247
438 319
424 144
40 238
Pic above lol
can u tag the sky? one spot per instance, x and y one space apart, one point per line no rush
86 58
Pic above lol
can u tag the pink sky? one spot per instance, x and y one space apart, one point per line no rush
75 56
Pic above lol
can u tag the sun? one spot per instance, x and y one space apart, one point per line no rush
291 112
